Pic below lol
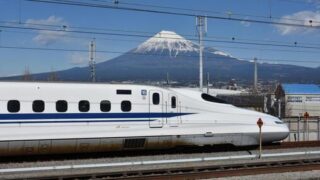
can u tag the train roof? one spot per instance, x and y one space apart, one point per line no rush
75 83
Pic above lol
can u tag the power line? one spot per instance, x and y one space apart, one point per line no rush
267 49
153 54
233 41
149 34
141 41
215 46
211 12
65 26
300 2
201 11
106 6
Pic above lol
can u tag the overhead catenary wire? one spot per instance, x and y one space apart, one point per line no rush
176 8
301 2
264 60
141 41
215 46
206 11
295 43
229 18
148 36
65 27
215 41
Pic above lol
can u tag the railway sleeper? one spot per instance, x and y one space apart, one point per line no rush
151 173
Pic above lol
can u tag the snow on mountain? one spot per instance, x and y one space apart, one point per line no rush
184 68
167 41
171 42
222 53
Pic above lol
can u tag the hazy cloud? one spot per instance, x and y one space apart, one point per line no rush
305 17
78 58
315 2
45 37
245 23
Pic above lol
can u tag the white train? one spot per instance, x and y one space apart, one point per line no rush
46 118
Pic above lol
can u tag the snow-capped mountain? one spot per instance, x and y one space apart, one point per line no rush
221 53
167 41
172 43
168 52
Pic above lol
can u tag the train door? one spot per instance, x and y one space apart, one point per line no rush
155 108
173 110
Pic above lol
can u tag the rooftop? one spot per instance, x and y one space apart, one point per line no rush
301 88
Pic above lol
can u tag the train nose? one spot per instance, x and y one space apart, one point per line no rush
282 129
285 132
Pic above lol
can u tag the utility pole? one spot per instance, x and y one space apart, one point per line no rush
27 74
0 37
208 82
202 29
255 78
279 108
92 63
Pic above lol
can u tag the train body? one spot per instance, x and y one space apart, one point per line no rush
50 118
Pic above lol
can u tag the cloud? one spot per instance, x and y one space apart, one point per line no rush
45 37
82 58
78 58
305 17
315 2
245 23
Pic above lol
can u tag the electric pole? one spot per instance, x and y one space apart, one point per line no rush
202 29
208 82
255 78
92 63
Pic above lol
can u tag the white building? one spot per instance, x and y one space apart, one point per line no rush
296 99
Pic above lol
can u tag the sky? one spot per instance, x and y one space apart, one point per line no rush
26 48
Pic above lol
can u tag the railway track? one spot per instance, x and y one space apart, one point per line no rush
179 150
195 165
202 171
294 144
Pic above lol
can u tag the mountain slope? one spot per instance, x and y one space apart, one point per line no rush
168 52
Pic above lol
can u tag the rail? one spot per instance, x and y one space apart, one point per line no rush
136 163
172 151
207 171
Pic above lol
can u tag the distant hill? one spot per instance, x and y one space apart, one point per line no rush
168 52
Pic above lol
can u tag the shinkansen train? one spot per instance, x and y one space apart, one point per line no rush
51 118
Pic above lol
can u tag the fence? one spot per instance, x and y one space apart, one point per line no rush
303 130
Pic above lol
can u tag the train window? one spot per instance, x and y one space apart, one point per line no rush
84 106
173 102
38 106
124 91
61 106
13 106
210 98
126 106
105 106
156 98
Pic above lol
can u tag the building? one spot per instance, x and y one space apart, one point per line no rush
296 99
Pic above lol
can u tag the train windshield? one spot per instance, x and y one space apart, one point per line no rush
210 98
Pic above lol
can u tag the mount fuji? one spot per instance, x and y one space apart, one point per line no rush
168 52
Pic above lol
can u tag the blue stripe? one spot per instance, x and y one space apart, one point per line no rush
76 121
46 116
